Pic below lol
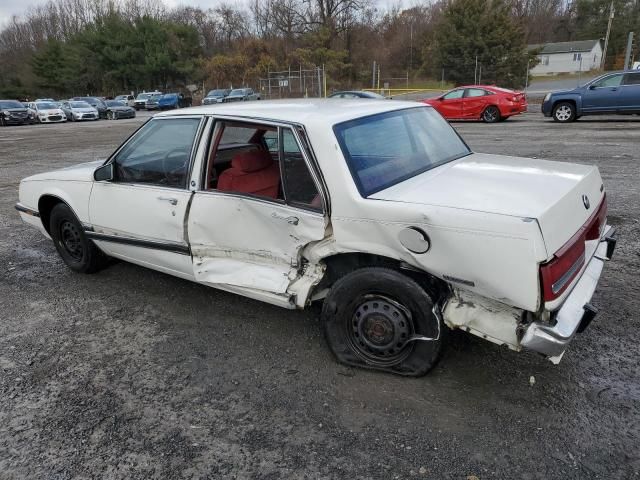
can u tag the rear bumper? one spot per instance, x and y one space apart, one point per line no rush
576 313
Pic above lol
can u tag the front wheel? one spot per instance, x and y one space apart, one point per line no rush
380 319
564 112
78 252
491 114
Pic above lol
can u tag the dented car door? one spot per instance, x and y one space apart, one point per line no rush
259 207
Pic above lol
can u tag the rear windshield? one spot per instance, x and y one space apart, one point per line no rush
388 148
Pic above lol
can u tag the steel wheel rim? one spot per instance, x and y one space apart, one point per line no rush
71 240
379 330
563 113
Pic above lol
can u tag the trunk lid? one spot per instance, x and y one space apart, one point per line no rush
560 196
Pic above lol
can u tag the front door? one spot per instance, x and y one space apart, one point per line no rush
139 215
450 104
259 207
602 95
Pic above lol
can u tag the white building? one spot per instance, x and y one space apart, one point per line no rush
567 57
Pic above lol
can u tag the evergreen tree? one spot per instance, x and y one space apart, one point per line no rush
482 30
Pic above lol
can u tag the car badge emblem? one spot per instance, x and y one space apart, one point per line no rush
585 201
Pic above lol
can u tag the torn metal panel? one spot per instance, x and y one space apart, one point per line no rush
483 317
251 243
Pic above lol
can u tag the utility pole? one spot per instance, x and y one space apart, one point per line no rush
373 78
606 39
411 47
475 72
526 79
627 56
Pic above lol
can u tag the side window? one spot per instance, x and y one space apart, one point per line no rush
632 79
244 160
610 81
475 92
159 154
300 189
454 94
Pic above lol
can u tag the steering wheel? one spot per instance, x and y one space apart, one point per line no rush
174 175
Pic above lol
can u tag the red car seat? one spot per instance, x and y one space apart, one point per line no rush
252 172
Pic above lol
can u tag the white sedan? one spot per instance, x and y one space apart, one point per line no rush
47 112
378 209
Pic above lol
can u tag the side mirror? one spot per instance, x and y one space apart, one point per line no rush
592 87
104 173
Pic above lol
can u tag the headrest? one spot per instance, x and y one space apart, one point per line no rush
251 161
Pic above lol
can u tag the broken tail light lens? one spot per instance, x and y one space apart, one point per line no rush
558 273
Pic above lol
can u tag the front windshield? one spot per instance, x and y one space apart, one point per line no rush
387 148
79 105
142 96
169 96
114 103
155 97
10 104
216 93
46 105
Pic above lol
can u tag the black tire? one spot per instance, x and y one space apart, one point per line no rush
371 313
564 112
491 114
77 251
3 122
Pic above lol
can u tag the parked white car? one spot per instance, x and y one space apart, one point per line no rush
378 208
47 112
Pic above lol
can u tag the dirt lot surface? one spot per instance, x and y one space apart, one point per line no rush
131 374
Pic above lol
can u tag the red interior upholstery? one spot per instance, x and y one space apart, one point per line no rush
252 172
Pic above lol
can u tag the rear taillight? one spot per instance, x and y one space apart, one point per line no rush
558 273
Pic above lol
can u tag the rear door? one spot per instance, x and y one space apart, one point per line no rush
245 239
474 102
602 96
629 99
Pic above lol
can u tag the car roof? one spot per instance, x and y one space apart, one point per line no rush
305 111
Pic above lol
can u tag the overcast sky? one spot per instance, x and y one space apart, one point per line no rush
18 7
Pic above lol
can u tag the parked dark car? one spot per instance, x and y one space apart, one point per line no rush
357 94
13 112
173 100
96 103
117 109
611 93
241 95
216 96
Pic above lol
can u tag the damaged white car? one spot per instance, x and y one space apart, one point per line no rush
379 209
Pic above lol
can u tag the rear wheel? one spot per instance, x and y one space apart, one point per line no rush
380 319
564 112
78 252
491 114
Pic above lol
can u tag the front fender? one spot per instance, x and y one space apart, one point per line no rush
73 193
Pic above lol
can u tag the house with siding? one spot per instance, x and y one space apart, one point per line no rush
567 57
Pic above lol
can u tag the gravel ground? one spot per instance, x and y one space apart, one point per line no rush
130 373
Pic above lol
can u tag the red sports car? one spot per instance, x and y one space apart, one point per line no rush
479 102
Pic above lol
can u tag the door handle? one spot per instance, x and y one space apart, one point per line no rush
290 220
171 200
